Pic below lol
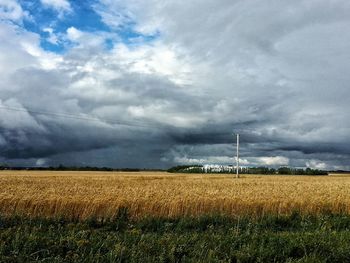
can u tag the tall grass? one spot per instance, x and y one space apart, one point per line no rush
293 238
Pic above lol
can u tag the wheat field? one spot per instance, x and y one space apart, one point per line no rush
82 195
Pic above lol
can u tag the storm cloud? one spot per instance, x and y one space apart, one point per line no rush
160 83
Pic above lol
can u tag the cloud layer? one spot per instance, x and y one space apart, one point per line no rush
168 82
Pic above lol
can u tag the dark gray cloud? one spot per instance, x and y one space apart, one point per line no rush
275 72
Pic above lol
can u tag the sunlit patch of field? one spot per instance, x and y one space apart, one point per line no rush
81 195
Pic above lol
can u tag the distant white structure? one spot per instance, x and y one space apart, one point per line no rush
213 168
207 168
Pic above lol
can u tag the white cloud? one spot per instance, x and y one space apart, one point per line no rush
155 59
273 161
61 6
316 164
164 113
28 51
12 10
52 38
74 34
20 49
87 40
112 13
57 4
17 119
41 162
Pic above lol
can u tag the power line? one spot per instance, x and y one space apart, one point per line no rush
77 117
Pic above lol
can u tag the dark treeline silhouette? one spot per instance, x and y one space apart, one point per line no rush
184 168
75 168
340 172
181 169
246 170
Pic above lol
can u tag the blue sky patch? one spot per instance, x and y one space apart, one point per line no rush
83 17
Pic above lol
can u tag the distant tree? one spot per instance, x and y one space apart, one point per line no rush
3 166
247 170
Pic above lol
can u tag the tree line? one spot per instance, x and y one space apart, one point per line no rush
246 170
73 168
178 169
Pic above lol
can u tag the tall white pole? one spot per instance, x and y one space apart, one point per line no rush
237 167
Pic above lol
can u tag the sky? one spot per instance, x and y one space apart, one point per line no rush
157 83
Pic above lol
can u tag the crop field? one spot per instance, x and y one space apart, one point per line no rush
83 195
162 217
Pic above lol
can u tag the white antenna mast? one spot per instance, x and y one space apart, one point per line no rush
237 167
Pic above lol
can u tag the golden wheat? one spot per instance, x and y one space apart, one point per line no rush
81 195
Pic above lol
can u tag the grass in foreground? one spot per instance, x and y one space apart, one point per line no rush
291 238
